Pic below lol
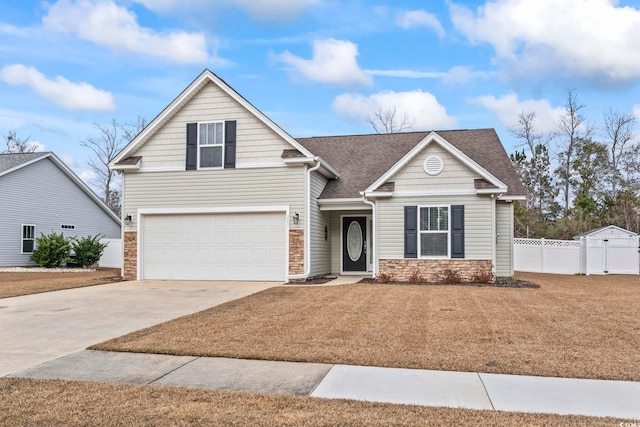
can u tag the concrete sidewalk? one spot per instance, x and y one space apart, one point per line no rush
514 393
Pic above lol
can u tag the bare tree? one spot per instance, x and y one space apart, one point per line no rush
619 129
111 139
15 144
571 129
132 129
387 121
533 165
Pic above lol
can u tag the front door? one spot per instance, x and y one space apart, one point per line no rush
354 243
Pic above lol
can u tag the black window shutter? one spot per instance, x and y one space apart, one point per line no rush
411 232
192 146
230 144
457 231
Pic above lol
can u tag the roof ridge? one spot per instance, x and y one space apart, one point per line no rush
394 133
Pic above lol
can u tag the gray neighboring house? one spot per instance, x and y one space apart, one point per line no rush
40 194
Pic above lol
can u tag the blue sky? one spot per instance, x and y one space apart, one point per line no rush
316 67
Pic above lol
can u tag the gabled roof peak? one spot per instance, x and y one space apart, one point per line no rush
206 77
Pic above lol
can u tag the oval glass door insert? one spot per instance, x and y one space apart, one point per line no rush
354 241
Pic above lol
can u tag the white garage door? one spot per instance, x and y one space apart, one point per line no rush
235 246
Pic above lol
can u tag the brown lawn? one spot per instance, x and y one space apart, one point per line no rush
572 326
14 284
56 403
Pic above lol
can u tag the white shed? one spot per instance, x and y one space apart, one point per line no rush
609 250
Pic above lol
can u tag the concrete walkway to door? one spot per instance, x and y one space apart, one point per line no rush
42 327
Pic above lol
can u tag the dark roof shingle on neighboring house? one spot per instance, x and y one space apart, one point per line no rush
12 160
361 159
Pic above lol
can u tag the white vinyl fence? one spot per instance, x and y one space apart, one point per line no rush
547 256
589 255
112 256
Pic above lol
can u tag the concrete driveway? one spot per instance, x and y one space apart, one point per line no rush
41 327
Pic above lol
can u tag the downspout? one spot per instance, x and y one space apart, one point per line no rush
374 239
307 225
494 235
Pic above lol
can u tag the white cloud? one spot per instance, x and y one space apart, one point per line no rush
69 95
333 61
39 146
456 75
12 30
107 24
409 74
462 75
68 159
421 108
275 10
636 111
508 107
420 18
88 176
592 39
264 10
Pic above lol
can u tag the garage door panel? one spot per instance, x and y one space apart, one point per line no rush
239 246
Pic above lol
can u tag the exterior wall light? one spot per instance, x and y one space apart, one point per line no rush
296 218
127 220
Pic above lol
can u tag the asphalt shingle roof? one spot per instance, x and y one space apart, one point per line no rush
361 159
10 161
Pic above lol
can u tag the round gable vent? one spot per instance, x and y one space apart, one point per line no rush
433 165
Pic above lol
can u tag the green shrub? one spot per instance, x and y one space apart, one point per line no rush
505 280
51 250
88 250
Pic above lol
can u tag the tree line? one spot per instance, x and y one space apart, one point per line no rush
580 176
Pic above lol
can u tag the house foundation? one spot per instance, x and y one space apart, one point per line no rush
436 270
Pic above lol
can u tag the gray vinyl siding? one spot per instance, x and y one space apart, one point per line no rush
478 224
216 188
43 195
255 142
455 174
504 246
320 248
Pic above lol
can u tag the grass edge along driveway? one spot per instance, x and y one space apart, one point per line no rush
572 326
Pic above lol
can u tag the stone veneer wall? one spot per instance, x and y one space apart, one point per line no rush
296 251
432 269
130 255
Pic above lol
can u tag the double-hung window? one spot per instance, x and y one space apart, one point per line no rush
28 238
434 231
211 144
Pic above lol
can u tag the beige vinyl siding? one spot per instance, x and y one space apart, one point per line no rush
255 141
504 247
478 223
320 248
216 188
455 174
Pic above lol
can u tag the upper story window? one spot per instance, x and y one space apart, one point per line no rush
211 144
28 238
434 231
